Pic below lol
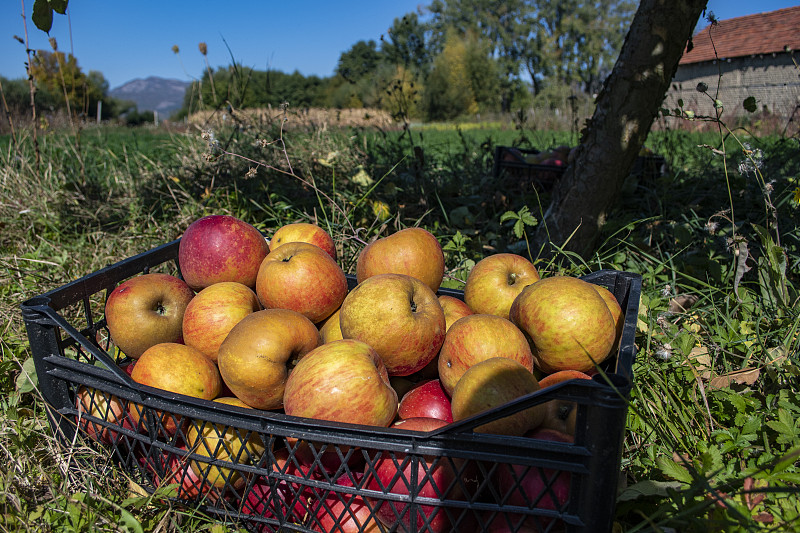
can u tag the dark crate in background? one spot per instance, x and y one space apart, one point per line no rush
268 491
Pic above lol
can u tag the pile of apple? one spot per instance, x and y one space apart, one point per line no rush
271 325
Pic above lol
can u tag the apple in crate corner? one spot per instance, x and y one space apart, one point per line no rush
174 368
478 337
106 407
561 414
221 248
301 277
146 310
341 381
304 232
399 316
436 478
412 251
260 351
492 383
213 312
426 400
496 280
567 322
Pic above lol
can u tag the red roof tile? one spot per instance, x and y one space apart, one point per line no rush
762 33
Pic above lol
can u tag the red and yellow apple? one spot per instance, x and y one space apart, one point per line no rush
399 316
492 383
454 309
301 277
260 351
616 313
344 512
147 310
561 414
330 329
495 281
104 406
341 381
175 368
412 251
303 232
221 248
567 322
213 312
478 337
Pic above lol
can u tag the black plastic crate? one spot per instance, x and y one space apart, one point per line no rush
287 478
511 167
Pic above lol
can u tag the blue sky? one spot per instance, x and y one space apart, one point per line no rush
128 40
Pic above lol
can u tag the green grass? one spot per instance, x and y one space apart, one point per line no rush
700 454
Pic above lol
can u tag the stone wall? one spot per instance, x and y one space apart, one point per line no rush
773 79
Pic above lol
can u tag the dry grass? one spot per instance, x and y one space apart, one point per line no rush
316 118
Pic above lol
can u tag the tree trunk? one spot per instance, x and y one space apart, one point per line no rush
626 108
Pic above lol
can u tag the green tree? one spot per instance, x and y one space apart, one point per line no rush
405 44
57 74
360 61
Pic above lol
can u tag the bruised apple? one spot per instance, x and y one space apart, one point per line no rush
567 322
303 232
496 280
341 381
492 383
213 312
301 277
221 248
399 316
147 310
260 351
478 337
175 368
412 251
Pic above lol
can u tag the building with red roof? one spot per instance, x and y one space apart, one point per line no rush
755 55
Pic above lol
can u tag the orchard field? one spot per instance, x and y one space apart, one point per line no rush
712 438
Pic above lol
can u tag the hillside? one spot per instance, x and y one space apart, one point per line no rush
153 94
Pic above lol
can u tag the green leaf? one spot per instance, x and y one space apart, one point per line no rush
508 215
42 15
646 488
27 381
749 104
673 470
519 228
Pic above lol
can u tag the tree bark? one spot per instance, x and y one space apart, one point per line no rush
625 110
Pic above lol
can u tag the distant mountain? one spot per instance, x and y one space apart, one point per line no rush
153 94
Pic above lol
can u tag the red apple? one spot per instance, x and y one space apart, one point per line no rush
567 322
147 310
190 486
303 232
426 400
495 281
492 383
301 277
342 512
412 251
221 248
436 478
453 309
341 381
478 337
213 312
399 316
562 375
175 368
260 351
535 487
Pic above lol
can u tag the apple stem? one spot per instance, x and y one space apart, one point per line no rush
512 278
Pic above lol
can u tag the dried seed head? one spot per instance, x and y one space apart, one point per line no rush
203 48
53 43
175 48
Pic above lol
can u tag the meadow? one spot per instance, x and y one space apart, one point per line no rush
713 432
